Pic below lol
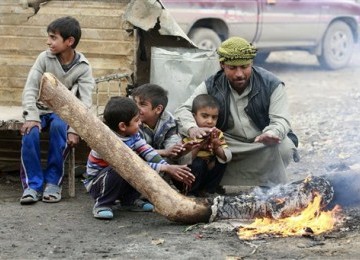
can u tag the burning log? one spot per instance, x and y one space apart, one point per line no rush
293 209
277 202
129 165
309 222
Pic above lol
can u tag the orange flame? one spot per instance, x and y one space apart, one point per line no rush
310 221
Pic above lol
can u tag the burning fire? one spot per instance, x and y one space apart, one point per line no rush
311 221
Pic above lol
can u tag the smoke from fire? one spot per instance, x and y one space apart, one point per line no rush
346 189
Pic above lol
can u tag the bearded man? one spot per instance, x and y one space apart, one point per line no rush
254 117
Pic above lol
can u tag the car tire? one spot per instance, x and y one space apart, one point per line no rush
337 46
205 38
261 57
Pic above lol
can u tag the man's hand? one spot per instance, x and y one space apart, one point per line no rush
267 139
72 139
28 125
198 133
180 173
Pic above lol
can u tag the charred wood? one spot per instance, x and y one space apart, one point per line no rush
278 202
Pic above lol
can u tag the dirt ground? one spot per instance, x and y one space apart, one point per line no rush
325 109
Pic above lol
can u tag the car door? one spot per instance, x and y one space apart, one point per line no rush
289 23
226 17
242 17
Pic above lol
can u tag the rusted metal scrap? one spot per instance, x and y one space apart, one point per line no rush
277 202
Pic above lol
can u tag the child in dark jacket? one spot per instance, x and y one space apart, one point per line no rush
158 126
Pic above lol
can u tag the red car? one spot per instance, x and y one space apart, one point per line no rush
328 29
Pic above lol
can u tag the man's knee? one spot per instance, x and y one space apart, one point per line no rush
287 149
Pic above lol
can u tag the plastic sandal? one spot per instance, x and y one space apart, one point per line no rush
52 193
103 213
29 196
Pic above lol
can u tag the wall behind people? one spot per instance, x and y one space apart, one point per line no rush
105 40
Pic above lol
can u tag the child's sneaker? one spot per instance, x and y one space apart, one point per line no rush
103 213
142 206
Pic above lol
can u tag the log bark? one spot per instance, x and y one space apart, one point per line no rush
129 165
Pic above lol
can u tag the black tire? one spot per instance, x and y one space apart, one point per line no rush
337 46
261 57
205 38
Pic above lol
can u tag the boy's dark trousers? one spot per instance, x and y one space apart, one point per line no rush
207 179
109 186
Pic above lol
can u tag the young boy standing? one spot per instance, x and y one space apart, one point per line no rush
209 158
73 70
121 115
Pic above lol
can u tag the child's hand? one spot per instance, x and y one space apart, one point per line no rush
215 133
174 151
189 146
214 141
28 125
215 144
180 173
180 149
73 139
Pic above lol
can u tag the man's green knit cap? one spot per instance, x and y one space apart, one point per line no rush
236 51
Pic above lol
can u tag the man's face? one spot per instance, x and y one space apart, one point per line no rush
238 76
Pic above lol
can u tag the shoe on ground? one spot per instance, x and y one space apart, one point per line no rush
220 190
103 213
52 193
141 206
30 196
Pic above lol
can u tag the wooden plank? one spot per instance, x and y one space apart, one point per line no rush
15 71
12 97
103 47
19 67
116 34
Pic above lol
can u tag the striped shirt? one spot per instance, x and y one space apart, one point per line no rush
95 163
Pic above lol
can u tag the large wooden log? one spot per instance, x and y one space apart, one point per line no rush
129 165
